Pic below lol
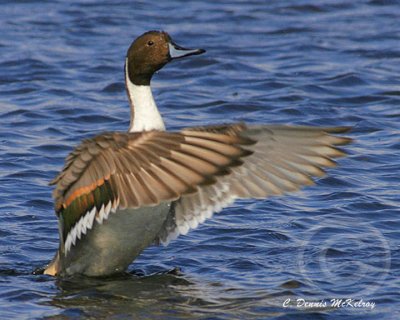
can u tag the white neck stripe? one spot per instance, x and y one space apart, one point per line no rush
144 112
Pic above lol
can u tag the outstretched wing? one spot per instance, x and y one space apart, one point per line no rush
283 159
130 170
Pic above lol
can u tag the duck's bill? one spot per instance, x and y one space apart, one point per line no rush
176 51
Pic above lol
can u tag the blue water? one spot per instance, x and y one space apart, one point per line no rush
297 62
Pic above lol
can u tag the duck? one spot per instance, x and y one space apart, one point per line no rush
120 192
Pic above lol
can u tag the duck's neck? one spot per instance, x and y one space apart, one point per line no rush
144 112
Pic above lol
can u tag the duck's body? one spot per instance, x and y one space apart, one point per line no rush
110 247
120 192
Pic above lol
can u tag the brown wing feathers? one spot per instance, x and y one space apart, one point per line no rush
283 159
140 169
203 167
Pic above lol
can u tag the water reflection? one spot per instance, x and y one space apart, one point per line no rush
160 294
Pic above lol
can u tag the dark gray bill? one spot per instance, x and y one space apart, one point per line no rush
177 52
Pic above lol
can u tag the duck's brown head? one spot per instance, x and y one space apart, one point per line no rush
150 52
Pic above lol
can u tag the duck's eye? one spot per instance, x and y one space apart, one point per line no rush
150 43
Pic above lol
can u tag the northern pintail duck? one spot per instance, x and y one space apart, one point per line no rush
120 192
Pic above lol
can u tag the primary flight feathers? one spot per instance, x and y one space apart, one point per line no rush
204 168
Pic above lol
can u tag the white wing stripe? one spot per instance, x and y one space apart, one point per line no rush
190 213
86 223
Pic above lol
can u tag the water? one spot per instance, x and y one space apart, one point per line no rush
298 62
